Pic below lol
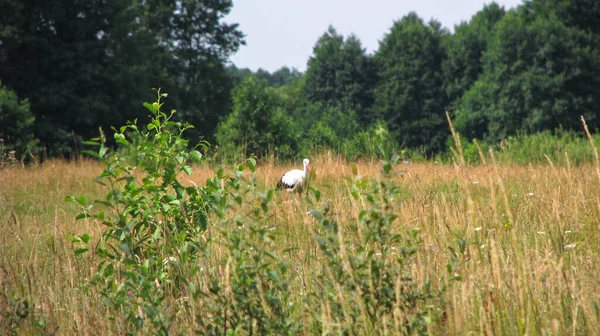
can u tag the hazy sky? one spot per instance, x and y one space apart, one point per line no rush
283 32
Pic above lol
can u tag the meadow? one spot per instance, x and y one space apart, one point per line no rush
153 238
499 249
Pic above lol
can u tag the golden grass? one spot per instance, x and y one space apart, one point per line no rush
530 266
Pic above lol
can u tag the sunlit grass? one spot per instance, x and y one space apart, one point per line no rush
530 234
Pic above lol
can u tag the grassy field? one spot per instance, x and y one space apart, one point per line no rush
508 249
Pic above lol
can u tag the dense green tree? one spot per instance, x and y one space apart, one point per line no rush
539 75
285 76
409 94
76 63
236 74
263 75
326 126
16 125
465 48
580 14
280 77
85 64
341 74
200 43
257 122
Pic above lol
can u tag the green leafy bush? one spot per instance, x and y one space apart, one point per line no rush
151 220
248 288
367 281
16 127
257 124
540 148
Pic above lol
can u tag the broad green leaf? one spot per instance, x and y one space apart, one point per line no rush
120 138
81 200
91 153
195 156
82 216
80 251
102 151
251 163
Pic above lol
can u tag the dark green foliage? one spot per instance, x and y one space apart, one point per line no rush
16 125
327 127
66 57
89 64
199 44
409 94
284 76
340 74
153 223
465 48
539 75
579 14
257 122
281 77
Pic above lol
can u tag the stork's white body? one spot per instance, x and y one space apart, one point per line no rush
293 180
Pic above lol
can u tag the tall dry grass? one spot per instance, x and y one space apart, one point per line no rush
530 236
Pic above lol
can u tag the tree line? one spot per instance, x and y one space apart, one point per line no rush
502 73
77 65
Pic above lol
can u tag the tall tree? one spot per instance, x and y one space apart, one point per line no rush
341 74
539 75
16 125
257 122
85 64
68 58
465 48
280 77
200 44
579 14
409 94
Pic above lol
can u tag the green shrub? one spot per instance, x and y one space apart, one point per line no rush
16 128
539 148
248 288
257 125
367 281
370 143
151 219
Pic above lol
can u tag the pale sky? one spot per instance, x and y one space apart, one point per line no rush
284 32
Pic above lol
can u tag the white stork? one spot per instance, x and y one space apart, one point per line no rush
293 181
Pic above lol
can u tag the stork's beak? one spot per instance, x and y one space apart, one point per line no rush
308 167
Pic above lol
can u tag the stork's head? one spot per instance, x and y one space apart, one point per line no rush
306 164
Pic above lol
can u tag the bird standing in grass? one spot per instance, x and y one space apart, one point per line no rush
294 180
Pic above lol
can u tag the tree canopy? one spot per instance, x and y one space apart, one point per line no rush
409 94
88 64
78 65
539 74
